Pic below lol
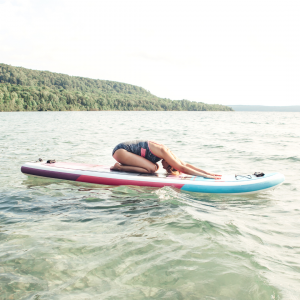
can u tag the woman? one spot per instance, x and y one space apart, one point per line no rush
142 156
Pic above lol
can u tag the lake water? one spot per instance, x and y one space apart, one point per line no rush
65 240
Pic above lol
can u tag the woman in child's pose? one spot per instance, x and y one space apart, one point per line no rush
141 156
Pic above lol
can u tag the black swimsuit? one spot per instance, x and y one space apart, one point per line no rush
138 147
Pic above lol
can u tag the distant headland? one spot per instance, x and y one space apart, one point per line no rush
23 89
293 108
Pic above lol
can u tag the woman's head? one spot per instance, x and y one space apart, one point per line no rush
169 168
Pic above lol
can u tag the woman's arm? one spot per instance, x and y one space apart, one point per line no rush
191 171
182 162
199 170
192 167
182 167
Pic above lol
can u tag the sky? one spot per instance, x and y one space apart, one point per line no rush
214 51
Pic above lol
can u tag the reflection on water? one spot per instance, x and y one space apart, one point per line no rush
71 240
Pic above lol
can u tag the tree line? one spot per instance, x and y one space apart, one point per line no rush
23 89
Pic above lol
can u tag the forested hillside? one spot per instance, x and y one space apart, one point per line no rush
29 90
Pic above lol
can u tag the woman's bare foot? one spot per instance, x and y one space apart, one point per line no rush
116 167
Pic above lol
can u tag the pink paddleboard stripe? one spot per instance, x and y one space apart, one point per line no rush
115 181
143 152
76 166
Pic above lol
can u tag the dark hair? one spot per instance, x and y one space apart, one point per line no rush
172 171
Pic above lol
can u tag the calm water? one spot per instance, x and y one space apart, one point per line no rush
64 240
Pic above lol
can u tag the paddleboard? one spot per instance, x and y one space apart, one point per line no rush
98 174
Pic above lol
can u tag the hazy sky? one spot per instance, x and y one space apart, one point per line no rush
214 51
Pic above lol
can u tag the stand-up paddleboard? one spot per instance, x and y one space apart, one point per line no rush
227 184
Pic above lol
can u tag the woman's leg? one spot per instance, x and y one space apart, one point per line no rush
130 162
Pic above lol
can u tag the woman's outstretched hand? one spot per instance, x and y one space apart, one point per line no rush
214 176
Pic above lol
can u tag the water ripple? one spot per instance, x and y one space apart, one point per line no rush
68 240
